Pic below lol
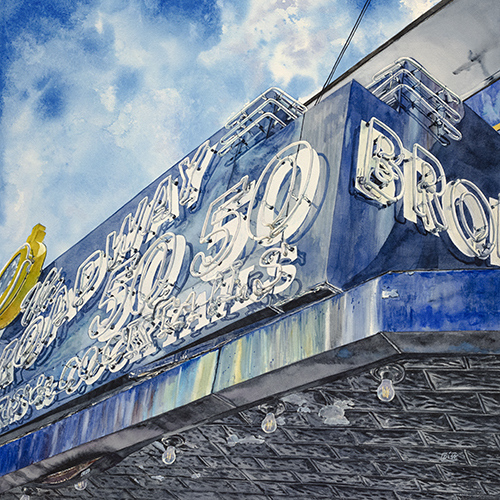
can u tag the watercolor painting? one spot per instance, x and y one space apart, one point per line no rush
219 283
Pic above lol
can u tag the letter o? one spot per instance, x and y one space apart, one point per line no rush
469 218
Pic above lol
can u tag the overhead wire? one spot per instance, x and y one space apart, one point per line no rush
342 52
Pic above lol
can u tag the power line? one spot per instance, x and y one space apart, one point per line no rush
344 48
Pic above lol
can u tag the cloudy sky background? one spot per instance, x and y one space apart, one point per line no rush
100 97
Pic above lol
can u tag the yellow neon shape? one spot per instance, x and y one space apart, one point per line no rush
20 274
497 127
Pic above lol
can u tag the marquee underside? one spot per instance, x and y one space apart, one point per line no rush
439 437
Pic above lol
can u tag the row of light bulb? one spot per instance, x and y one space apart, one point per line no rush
385 392
269 425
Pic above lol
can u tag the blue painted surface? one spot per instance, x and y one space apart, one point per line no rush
487 103
348 242
422 301
172 389
441 301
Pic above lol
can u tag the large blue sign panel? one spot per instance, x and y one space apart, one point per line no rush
218 238
348 191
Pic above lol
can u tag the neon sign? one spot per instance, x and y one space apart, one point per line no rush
222 241
142 305
387 172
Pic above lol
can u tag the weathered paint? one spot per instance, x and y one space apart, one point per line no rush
396 302
286 341
176 387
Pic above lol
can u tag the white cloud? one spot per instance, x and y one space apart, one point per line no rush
279 41
96 110
88 121
108 98
418 7
277 38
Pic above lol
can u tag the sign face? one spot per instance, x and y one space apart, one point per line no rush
222 241
387 172
213 242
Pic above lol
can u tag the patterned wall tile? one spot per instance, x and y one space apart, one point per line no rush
438 439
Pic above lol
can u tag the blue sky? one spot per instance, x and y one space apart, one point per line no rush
100 97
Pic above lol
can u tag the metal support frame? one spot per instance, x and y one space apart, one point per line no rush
271 111
406 85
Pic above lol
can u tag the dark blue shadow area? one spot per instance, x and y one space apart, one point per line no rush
52 102
205 14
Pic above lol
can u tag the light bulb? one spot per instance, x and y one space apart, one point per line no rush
385 390
169 456
81 485
269 424
232 440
